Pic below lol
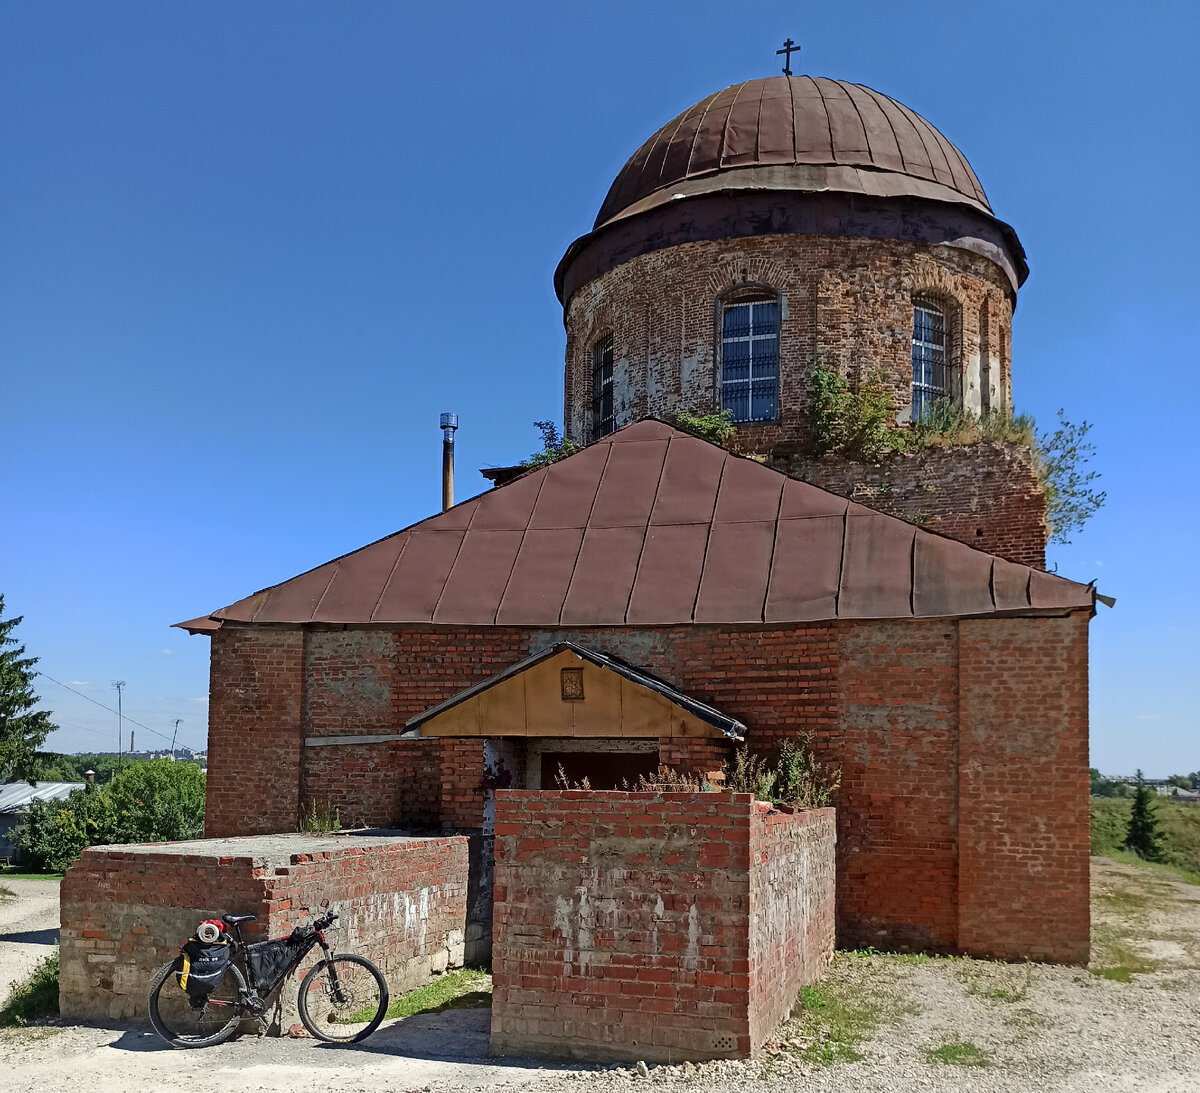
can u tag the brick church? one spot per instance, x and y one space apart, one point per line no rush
657 598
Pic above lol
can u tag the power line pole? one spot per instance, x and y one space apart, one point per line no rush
120 686
173 735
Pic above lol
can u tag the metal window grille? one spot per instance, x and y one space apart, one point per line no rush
603 420
750 360
928 358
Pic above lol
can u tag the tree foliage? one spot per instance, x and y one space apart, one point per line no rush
1071 496
858 424
23 727
151 801
554 445
1143 836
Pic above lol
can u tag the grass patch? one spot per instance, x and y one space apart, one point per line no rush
33 998
1180 823
7 893
958 1054
1115 958
466 988
833 1025
17 873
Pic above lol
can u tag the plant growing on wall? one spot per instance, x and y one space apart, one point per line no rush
858 425
554 445
855 424
795 777
717 429
1071 496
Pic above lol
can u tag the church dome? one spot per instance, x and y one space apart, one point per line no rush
798 133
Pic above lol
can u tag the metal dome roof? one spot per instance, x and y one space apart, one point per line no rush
794 133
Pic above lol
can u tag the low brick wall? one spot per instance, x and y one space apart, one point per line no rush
403 902
656 926
792 910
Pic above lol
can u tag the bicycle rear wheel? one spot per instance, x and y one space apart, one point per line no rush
184 1021
343 999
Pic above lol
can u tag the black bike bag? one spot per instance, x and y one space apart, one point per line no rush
269 961
204 966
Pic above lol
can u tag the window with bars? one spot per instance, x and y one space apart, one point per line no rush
750 359
603 420
928 357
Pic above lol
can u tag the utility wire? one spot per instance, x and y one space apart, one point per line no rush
102 706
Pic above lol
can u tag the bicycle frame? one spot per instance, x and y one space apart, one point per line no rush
252 999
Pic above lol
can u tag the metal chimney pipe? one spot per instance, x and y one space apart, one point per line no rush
448 425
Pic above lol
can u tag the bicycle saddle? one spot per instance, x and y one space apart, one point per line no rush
234 920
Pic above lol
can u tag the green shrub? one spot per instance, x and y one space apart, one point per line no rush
717 429
35 997
795 777
855 424
152 801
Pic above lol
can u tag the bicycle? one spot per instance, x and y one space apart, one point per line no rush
342 998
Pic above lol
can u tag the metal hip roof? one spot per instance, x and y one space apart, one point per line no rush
653 527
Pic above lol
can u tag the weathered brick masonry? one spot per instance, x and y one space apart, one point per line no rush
925 740
847 306
126 910
654 926
988 496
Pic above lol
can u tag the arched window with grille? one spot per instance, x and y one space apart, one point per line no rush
750 356
603 416
929 379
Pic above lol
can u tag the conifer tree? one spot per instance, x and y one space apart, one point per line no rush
23 728
1144 837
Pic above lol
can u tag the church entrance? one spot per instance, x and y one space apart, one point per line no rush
603 770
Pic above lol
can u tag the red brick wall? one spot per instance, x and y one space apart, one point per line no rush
791 910
254 741
624 923
125 911
698 756
897 841
985 495
1023 806
848 307
884 700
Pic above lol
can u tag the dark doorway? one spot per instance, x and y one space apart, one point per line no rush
602 769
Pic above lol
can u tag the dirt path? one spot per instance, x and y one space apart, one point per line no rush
879 1023
28 927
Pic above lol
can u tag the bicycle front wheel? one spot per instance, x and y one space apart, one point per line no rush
184 1021
343 999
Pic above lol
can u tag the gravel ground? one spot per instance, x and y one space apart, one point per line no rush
28 927
1029 1028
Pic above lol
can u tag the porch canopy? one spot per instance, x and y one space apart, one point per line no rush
571 691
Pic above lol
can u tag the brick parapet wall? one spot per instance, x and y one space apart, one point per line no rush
126 911
1023 821
792 910
988 496
624 923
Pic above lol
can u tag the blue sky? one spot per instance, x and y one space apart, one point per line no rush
248 252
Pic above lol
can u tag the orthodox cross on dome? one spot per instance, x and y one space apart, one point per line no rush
789 47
